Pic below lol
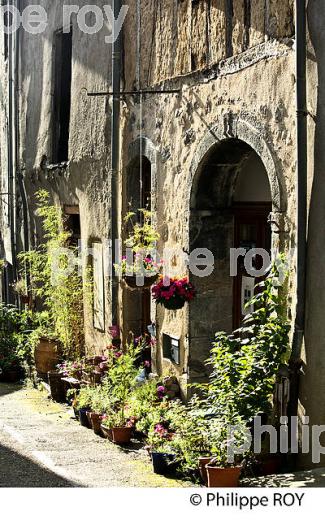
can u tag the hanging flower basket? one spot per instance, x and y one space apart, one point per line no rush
174 304
173 293
133 282
143 273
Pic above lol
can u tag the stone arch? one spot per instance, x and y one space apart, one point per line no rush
143 146
138 309
214 225
237 128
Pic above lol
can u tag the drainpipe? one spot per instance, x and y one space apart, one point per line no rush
11 142
301 231
115 156
20 179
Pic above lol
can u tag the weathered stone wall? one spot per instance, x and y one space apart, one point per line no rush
256 88
178 37
85 181
313 370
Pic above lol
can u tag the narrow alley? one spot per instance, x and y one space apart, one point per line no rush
41 445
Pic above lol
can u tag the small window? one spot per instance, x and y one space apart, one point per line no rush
6 23
171 348
72 224
62 96
98 287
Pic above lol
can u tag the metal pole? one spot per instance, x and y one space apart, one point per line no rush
115 156
301 231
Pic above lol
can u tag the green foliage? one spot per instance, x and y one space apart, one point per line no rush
59 289
141 404
192 437
142 236
244 368
120 381
84 398
245 364
15 328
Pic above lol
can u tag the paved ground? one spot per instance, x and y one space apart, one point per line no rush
41 445
313 478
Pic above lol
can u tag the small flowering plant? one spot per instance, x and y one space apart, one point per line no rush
159 438
71 368
173 293
143 265
140 261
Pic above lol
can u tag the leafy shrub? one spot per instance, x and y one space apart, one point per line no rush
60 292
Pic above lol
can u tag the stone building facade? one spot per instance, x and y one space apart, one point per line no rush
215 158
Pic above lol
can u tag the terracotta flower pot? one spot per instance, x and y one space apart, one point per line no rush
203 461
95 421
122 435
107 432
223 477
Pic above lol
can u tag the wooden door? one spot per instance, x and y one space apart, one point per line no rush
251 231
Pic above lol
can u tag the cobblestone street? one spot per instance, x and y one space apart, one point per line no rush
41 445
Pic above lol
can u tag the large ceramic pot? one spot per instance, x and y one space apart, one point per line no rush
223 477
163 463
46 356
122 435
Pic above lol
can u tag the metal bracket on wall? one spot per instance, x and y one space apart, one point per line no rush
133 93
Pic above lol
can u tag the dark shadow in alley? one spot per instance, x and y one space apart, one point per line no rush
9 388
21 472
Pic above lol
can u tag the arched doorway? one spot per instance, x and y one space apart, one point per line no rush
137 304
230 204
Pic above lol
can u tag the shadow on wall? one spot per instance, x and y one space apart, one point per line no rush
313 381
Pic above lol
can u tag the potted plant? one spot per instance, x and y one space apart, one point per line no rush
82 404
139 267
97 405
191 440
105 428
118 384
162 456
20 287
118 428
225 467
59 291
173 293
